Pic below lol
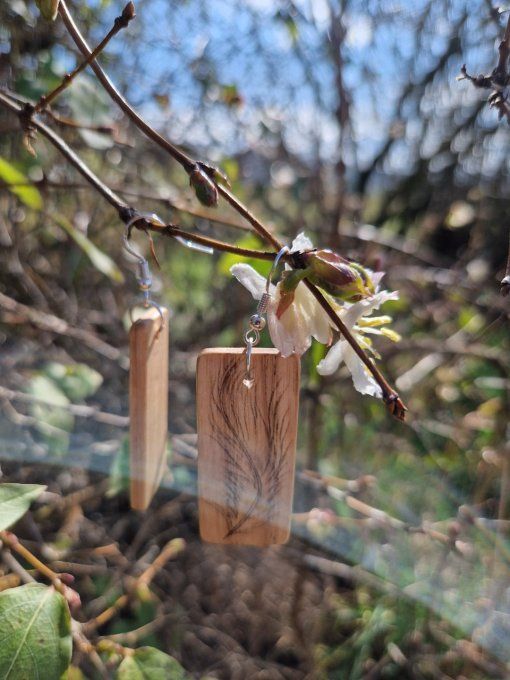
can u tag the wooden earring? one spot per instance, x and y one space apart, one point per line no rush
148 390
247 412
148 405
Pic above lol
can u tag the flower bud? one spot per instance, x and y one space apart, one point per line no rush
204 187
346 280
214 173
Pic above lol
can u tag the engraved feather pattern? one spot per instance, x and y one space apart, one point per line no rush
253 431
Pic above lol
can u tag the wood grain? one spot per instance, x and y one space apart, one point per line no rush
246 445
148 405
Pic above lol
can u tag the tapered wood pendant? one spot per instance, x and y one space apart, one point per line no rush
246 445
148 405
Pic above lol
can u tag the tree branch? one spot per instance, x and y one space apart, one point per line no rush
187 163
391 398
120 22
124 210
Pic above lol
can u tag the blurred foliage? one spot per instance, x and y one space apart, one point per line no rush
324 116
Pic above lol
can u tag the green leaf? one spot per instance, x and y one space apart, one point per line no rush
101 261
15 500
54 423
149 663
28 195
36 633
48 8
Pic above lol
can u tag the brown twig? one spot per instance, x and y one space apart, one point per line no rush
173 231
187 163
125 211
54 324
171 550
12 543
391 398
120 22
498 81
80 410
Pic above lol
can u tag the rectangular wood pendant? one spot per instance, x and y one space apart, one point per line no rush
148 405
246 445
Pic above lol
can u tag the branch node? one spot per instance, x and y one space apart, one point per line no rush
25 117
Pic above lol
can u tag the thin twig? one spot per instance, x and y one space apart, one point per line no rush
12 543
54 324
187 163
120 22
498 81
80 410
173 231
171 550
125 211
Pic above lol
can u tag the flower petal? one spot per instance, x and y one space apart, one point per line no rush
366 306
376 277
301 242
315 318
289 333
361 379
250 279
333 358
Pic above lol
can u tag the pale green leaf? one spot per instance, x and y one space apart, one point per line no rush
101 261
77 381
48 8
89 104
35 627
149 663
15 500
53 422
20 185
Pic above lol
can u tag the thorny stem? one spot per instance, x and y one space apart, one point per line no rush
120 22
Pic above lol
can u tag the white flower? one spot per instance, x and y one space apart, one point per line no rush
291 333
304 318
356 319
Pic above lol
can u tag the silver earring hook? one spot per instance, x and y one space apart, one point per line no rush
257 320
144 276
276 261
